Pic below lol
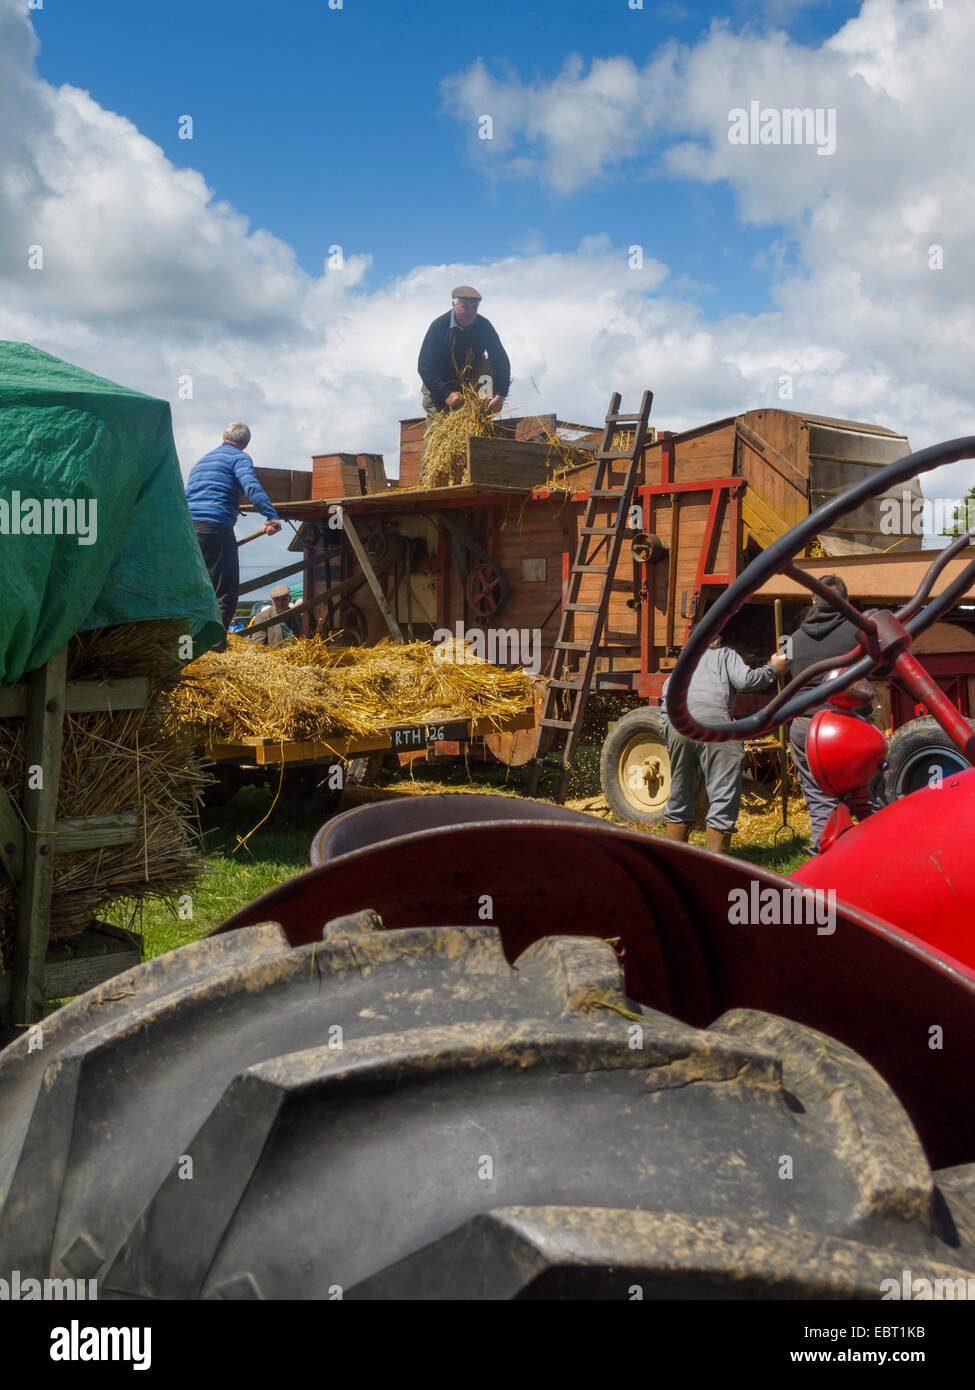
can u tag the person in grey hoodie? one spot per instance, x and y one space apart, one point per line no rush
720 675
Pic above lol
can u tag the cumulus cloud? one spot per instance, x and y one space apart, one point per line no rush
151 279
870 326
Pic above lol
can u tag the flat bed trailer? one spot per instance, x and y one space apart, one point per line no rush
302 768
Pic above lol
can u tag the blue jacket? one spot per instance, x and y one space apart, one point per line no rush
217 483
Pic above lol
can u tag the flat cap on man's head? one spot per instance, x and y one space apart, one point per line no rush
464 292
280 591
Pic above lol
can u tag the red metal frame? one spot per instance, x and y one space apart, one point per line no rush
949 670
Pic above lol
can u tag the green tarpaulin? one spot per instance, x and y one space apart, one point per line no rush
94 526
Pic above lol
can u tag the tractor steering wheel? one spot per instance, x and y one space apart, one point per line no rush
882 636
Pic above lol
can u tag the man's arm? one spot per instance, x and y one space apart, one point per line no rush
743 677
499 359
255 494
429 368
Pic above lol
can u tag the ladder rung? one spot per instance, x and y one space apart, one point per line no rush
583 607
565 685
598 530
616 492
628 419
590 569
574 646
556 723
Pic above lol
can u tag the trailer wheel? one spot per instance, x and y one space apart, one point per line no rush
362 772
634 767
402 1114
920 753
226 782
306 790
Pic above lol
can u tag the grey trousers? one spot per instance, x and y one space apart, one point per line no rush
721 765
821 805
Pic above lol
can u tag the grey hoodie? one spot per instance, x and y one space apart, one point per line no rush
721 674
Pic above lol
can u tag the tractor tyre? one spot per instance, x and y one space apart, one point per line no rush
920 754
403 1114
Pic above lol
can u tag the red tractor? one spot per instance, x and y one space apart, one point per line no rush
489 1048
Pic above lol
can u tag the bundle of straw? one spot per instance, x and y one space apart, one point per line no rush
445 442
124 761
311 689
445 445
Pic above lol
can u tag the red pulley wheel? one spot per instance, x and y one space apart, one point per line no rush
487 590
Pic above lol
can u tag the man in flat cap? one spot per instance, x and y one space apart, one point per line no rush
284 631
460 347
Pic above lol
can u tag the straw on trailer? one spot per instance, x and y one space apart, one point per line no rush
309 689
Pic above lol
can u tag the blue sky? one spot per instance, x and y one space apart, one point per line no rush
328 126
170 260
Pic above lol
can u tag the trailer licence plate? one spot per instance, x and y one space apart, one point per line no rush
419 735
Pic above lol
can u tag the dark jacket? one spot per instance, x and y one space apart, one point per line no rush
825 633
450 355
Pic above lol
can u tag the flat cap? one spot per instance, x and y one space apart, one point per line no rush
464 292
280 591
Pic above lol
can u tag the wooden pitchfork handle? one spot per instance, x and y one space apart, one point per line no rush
250 538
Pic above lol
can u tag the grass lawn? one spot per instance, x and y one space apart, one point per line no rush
244 861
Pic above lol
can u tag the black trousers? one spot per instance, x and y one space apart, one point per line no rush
219 546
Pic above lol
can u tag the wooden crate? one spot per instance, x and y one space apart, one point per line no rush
276 482
375 471
411 434
336 475
301 480
507 463
346 475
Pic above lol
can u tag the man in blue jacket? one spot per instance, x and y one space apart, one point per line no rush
458 347
213 491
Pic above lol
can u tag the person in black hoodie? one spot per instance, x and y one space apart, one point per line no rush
824 633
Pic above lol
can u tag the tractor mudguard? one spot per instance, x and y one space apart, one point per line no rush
912 864
676 914
402 1114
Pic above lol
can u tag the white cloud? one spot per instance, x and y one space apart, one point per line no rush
148 277
870 328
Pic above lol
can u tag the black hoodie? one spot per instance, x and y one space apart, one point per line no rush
825 633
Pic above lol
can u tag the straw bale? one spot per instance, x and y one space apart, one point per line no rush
130 760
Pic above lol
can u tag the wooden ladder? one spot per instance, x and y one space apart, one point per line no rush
610 536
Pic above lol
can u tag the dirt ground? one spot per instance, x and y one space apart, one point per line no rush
760 827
